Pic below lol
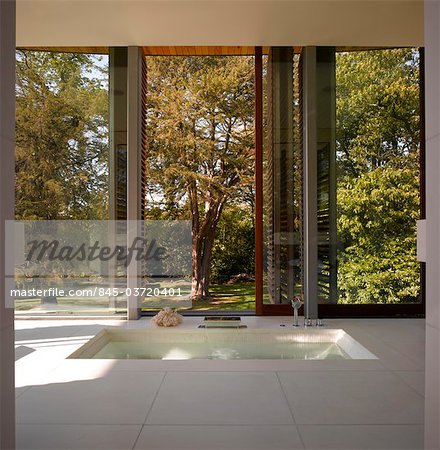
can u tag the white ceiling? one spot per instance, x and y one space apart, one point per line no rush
219 22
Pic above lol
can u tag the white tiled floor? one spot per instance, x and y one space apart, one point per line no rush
115 398
368 437
135 404
330 398
84 437
223 398
207 437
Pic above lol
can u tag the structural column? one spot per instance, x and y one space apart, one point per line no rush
310 180
326 175
7 171
134 167
432 96
125 157
280 175
259 232
118 59
319 168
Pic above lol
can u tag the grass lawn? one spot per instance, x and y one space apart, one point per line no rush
239 296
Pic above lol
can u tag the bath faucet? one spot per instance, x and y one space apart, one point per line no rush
296 304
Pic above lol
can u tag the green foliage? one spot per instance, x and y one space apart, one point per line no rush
61 137
200 129
377 221
200 117
378 176
234 248
377 109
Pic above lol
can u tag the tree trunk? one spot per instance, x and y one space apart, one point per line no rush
202 246
202 256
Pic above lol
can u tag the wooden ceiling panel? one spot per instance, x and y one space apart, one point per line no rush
165 51
199 50
91 50
204 50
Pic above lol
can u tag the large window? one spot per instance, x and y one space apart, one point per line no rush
199 128
297 167
343 181
378 175
62 159
368 176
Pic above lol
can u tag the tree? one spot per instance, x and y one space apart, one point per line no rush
377 222
200 130
377 109
234 248
61 137
378 175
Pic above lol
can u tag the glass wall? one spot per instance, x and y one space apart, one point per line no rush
62 159
199 127
282 167
198 163
368 176
342 178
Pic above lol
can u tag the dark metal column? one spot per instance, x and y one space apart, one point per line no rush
7 171
118 61
134 197
258 180
326 166
310 257
280 175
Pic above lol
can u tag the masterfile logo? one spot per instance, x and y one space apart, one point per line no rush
94 259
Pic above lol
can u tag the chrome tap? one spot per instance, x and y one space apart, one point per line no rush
296 305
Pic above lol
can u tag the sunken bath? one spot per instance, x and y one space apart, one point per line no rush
223 344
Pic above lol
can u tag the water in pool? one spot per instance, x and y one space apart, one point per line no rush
222 344
170 351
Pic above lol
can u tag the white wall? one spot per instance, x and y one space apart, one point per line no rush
219 22
7 120
432 367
